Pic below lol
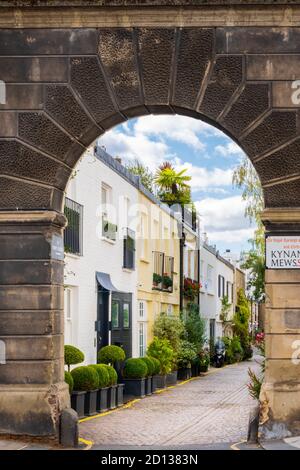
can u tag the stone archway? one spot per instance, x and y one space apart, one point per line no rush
71 74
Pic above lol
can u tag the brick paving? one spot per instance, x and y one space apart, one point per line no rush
210 409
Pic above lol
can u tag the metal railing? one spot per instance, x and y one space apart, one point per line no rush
73 234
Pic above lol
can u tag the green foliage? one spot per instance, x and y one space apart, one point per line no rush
187 353
103 375
111 354
113 376
170 328
135 368
69 380
173 186
162 350
150 365
156 364
73 356
233 348
255 263
146 176
194 326
254 386
241 323
85 378
157 278
225 309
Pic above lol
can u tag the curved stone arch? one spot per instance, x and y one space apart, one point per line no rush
64 88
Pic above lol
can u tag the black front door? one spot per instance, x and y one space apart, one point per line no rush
102 323
121 315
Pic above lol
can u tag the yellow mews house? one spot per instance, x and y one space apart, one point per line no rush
158 251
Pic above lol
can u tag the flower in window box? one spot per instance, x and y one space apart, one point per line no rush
157 278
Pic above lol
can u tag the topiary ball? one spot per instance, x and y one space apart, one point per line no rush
135 368
113 376
103 374
73 355
156 363
69 380
149 363
111 354
85 378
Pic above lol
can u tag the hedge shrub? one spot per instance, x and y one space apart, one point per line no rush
73 356
69 380
156 364
135 368
85 378
103 374
162 350
113 376
111 354
150 365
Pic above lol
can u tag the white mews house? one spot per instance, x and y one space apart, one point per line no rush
100 274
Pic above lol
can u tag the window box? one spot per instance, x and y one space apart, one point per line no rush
109 230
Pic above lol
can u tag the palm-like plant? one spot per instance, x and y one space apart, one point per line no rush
173 186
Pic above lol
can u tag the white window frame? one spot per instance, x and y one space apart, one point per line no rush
142 327
209 278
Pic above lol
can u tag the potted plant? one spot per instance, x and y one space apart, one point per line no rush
157 279
102 394
186 355
69 380
86 384
112 355
172 376
195 369
156 372
73 356
112 387
162 350
204 360
134 372
167 282
190 288
150 366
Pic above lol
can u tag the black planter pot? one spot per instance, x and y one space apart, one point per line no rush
203 368
160 381
195 370
135 387
172 378
112 397
184 373
149 386
77 403
120 395
102 400
90 403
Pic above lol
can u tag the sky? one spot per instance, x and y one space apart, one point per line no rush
209 157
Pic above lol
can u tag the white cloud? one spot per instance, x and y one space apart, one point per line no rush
225 214
239 237
230 149
204 179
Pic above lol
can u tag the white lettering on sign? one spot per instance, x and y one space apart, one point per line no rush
296 94
283 252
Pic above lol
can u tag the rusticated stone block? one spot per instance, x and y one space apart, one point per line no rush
282 321
227 75
32 372
88 81
279 164
35 69
283 296
283 346
31 272
41 41
276 128
33 348
273 67
23 195
251 103
26 322
31 297
17 246
54 141
21 161
8 124
285 194
282 276
256 40
282 372
156 48
194 55
117 53
61 104
23 96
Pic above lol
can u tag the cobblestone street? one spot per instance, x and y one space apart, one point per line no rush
208 410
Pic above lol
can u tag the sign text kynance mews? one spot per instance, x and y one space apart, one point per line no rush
283 252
